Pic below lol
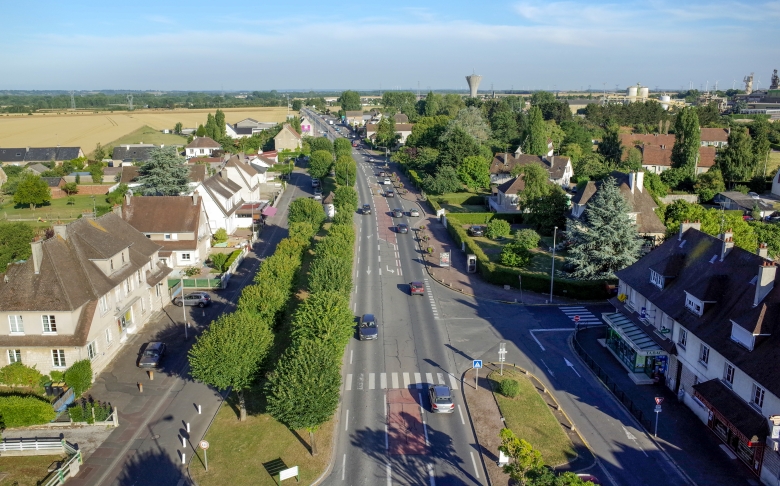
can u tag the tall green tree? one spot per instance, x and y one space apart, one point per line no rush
524 459
427 131
306 210
15 241
385 132
761 145
201 131
303 391
432 104
471 121
474 172
708 184
320 143
219 119
320 163
687 142
345 198
212 130
737 160
536 180
229 353
547 211
32 191
346 171
536 138
445 180
165 173
605 240
456 145
324 316
350 101
178 128
610 147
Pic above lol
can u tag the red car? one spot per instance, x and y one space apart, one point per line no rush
416 288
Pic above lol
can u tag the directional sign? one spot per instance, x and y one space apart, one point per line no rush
576 318
477 363
657 409
659 400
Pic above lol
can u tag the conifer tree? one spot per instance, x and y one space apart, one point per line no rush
606 239
536 140
687 140
610 146
165 174
737 160
219 119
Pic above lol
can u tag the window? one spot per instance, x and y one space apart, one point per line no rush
682 338
757 397
157 287
16 324
123 258
656 279
111 264
49 324
103 302
693 305
58 358
167 236
704 354
91 350
728 374
143 305
127 287
108 336
139 276
14 356
185 256
118 294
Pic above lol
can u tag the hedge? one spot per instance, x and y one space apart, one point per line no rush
23 411
83 410
79 376
231 259
484 218
462 198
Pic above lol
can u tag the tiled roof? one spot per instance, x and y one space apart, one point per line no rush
400 118
512 186
351 114
129 174
662 156
130 154
53 181
632 139
503 163
39 168
12 154
714 135
162 214
203 142
290 129
198 173
47 154
403 127
224 187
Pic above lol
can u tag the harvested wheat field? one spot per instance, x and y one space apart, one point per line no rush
87 129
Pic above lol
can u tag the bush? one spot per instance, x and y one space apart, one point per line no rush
220 236
742 188
191 271
19 374
218 261
79 376
497 228
527 238
231 259
89 411
515 255
26 410
509 387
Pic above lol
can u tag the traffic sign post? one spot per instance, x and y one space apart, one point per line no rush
658 402
476 365
205 445
502 356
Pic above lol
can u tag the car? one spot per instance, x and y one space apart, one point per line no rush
317 196
589 477
416 288
366 209
368 330
402 228
315 182
318 190
152 355
389 193
387 181
477 231
398 213
754 195
414 213
774 217
382 174
441 399
201 299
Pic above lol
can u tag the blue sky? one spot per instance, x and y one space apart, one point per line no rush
528 44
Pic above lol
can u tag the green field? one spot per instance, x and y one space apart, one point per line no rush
58 209
26 470
147 134
541 261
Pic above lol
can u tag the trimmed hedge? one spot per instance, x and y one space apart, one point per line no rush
23 411
82 411
484 218
462 198
509 387
79 376
231 259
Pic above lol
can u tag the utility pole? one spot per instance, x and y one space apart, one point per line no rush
552 271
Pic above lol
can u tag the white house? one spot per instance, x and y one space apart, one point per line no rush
221 199
201 147
558 166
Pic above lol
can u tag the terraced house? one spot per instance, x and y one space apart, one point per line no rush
80 294
703 317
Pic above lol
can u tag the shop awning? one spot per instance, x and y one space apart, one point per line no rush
269 211
121 310
740 416
636 337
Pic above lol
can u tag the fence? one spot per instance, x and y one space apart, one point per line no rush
37 446
604 378
68 469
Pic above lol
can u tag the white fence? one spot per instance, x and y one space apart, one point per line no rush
68 469
37 446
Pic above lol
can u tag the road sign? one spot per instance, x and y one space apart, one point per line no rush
204 444
657 408
502 356
576 318
477 363
659 400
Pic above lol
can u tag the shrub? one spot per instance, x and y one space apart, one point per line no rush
220 236
231 259
79 376
192 271
515 255
22 411
19 374
57 376
89 411
742 188
527 238
218 261
497 228
509 387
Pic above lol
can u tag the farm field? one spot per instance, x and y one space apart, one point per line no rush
85 130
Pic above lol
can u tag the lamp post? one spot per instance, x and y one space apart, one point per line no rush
552 271
94 210
379 146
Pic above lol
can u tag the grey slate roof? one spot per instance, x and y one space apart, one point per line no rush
48 154
503 163
203 142
53 181
37 168
746 202
132 154
512 186
12 154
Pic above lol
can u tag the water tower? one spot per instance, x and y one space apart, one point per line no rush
473 81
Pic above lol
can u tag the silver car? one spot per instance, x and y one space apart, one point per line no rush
201 299
441 399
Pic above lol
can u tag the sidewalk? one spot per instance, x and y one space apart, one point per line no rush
691 445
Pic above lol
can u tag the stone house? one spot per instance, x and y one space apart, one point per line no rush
558 166
288 139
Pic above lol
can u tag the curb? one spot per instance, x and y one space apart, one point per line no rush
222 402
471 423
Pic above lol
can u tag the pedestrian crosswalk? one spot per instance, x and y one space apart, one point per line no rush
586 318
419 381
429 293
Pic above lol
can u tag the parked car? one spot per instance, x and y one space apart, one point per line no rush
381 173
589 477
416 288
414 213
201 299
152 355
441 399
477 231
366 209
754 195
318 190
317 196
387 181
402 228
315 182
389 193
398 213
774 217
747 217
367 329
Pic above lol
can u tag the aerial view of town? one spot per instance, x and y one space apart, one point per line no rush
506 244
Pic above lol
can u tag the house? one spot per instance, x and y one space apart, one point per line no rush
287 139
715 137
177 223
58 155
354 118
641 203
12 156
201 146
776 184
255 125
80 294
400 118
403 130
506 198
658 158
112 174
307 127
221 199
130 154
239 170
37 169
54 181
558 166
701 316
328 205
737 201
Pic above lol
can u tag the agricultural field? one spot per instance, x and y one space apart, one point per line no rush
85 130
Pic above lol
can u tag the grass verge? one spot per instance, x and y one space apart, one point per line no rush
26 470
147 134
57 209
528 416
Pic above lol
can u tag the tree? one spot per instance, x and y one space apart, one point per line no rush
297 105
32 191
324 316
687 141
345 198
320 163
610 146
305 210
15 241
451 104
497 228
212 130
456 145
219 119
536 138
320 143
765 233
547 211
385 132
633 160
350 101
427 131
527 238
70 188
474 172
79 376
471 121
178 128
302 370
515 255
445 180
229 353
737 160
655 185
342 146
709 184
536 180
761 145
591 166
524 459
164 174
346 171
99 154
201 131
606 238
96 171
713 222
432 103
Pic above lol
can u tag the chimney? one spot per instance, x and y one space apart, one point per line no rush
61 231
766 281
194 198
632 181
763 252
686 225
728 243
37 255
640 180
128 197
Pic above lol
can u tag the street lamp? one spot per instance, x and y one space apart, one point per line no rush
552 272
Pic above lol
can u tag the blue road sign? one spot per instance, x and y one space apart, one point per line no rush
477 363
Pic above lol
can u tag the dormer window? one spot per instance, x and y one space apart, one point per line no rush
656 279
123 258
693 304
111 264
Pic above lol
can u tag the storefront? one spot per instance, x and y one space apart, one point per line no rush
735 422
634 346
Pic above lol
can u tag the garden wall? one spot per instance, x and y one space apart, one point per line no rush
90 190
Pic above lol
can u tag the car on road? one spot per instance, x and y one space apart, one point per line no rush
416 288
414 213
366 209
589 478
402 228
441 399
152 355
387 181
315 183
382 174
367 330
201 299
477 231
389 193
398 213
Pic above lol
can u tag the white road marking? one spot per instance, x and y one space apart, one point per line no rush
343 466
430 474
346 421
379 257
474 463
460 412
350 355
440 377
453 381
406 380
425 424
349 382
360 381
383 381
395 380
354 307
378 247
418 380
387 438
380 270
631 436
371 381
429 379
389 475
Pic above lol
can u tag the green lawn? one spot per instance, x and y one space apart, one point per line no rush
148 134
57 209
528 416
541 262
26 470
464 208
774 163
